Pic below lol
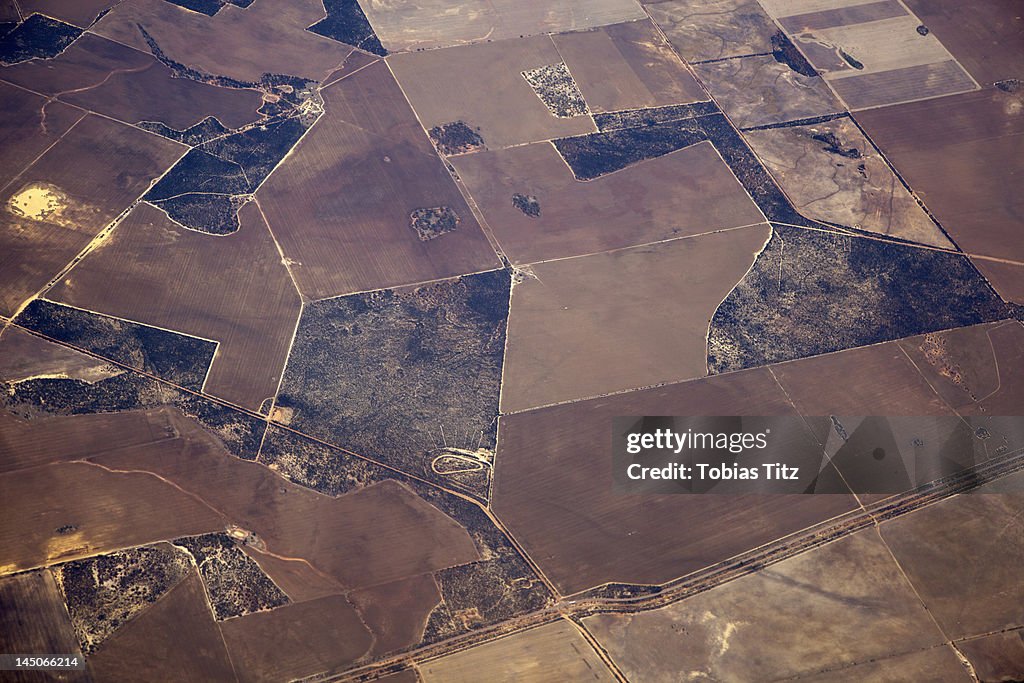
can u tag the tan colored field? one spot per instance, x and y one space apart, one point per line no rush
627 66
424 24
490 92
939 664
22 138
34 621
553 652
715 29
958 154
295 640
267 37
831 172
397 612
963 556
25 356
839 605
340 204
619 320
1007 277
233 289
73 510
687 192
95 172
553 488
174 639
111 79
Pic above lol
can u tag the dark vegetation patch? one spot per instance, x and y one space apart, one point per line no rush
433 222
174 357
234 582
240 433
557 89
208 7
456 137
834 145
923 30
346 23
315 466
810 121
526 203
38 37
230 163
851 60
104 592
811 292
398 376
631 118
216 214
596 154
1009 85
204 131
785 52
619 591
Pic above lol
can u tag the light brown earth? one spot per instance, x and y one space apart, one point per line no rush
490 93
958 154
553 488
233 289
620 320
25 356
860 192
267 37
842 604
713 30
94 173
627 66
33 621
176 638
553 652
340 204
295 640
756 91
396 613
690 191
938 664
423 24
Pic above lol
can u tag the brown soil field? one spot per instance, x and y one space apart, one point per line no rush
490 93
841 604
23 135
585 326
690 191
9 12
872 380
957 153
233 289
423 24
78 12
936 664
29 443
880 88
627 66
987 37
1007 277
756 91
553 488
831 172
963 557
176 638
553 652
715 29
403 676
396 613
977 370
267 37
996 657
24 356
296 640
108 78
340 204
378 534
73 510
68 196
295 577
34 621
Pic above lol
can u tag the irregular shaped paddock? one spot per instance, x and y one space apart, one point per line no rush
812 292
719 29
105 592
439 346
